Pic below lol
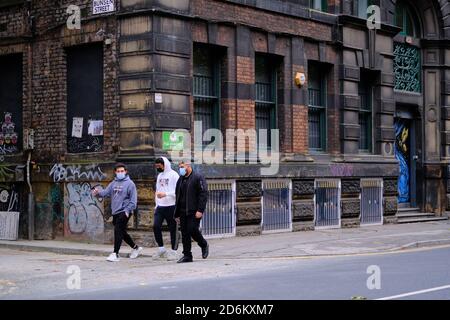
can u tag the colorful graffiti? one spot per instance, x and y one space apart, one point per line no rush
60 172
8 136
402 154
84 212
9 198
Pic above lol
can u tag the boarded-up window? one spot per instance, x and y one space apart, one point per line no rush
11 92
85 98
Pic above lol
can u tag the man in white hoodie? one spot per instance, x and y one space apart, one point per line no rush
165 208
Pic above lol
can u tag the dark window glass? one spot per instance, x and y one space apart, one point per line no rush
265 95
321 5
365 115
206 88
11 91
406 19
316 110
85 98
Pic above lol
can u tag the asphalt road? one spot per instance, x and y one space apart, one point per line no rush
401 273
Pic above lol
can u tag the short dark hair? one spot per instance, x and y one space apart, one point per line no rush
160 161
120 165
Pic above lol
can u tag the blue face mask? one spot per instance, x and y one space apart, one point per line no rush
182 171
121 175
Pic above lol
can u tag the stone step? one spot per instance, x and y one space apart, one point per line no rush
409 209
413 214
415 220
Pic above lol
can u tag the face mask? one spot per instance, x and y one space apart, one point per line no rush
182 171
159 169
121 175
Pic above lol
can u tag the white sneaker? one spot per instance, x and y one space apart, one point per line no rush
135 253
160 255
113 257
172 255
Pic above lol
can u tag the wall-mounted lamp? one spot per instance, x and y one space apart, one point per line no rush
300 79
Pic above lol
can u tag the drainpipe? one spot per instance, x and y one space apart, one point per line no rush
31 203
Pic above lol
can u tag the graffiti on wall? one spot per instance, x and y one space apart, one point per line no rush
62 173
6 173
402 155
8 136
9 198
341 170
83 212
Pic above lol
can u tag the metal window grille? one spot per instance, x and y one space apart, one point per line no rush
206 90
265 96
219 217
371 201
327 201
276 206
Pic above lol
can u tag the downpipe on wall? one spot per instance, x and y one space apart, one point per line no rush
31 202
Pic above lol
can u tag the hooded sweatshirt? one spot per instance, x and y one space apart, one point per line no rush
123 195
166 182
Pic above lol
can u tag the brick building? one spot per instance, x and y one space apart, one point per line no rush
363 139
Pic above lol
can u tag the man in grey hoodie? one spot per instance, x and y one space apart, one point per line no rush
123 202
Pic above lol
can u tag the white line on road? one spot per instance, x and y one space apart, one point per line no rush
415 293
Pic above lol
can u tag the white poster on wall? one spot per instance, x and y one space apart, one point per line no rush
77 127
102 6
95 127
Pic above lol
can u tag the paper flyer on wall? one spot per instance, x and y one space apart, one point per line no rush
77 127
95 127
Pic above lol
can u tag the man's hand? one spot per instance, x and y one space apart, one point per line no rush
177 220
160 195
198 214
127 214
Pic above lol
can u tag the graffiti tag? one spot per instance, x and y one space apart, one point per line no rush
59 172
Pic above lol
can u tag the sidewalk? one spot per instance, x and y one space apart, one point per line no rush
374 239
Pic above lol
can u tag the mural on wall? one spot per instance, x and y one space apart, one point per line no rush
402 152
83 214
8 136
9 198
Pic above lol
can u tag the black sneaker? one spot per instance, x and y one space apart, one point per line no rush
185 259
205 251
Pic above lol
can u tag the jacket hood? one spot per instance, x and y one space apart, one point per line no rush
167 165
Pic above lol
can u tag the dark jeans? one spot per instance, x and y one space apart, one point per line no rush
161 214
120 223
190 229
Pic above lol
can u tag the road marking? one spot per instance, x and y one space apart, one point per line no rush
415 293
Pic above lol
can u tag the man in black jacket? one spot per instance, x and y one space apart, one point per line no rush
191 197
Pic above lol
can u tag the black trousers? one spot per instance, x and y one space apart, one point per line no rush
120 223
161 214
190 229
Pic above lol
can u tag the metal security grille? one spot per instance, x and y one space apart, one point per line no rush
219 219
276 206
371 201
327 204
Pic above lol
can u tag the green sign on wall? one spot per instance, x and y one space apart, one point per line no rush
172 140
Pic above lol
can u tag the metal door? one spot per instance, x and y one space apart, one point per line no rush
371 201
276 206
219 217
327 201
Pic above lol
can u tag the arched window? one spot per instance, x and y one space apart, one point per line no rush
406 19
